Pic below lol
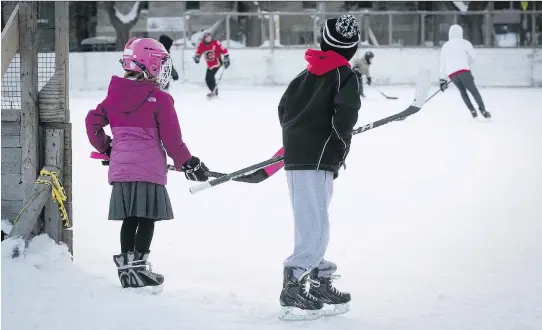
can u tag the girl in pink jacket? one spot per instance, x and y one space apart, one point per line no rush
144 126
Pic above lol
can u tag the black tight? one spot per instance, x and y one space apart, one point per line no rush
136 234
210 78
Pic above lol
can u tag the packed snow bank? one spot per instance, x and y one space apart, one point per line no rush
45 290
6 226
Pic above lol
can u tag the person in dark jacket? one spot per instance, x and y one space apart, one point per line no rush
317 113
168 42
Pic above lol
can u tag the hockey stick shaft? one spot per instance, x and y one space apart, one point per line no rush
386 96
422 89
218 81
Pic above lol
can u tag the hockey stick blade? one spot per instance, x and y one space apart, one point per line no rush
429 98
386 96
422 90
274 164
264 172
237 174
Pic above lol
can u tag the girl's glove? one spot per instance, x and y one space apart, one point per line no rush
195 170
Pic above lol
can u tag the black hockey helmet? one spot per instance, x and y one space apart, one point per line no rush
205 35
166 41
369 56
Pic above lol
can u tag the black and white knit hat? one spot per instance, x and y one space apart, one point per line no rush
341 35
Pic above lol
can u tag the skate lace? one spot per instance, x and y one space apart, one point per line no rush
148 269
307 287
140 263
331 287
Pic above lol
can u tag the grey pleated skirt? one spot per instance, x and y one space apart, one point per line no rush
139 199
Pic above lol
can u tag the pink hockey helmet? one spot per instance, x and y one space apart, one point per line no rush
148 56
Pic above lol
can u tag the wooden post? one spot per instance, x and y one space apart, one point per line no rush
33 205
10 39
54 157
62 43
29 94
62 40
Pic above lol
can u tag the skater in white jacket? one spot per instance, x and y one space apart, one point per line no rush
456 58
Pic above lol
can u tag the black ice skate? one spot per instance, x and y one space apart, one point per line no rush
335 301
473 113
298 304
121 260
485 113
213 94
135 272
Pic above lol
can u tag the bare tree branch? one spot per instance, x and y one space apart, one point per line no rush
122 23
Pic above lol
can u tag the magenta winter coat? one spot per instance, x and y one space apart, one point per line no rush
143 122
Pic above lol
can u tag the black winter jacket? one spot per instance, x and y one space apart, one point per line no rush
318 112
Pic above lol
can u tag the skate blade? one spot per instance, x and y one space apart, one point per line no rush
154 290
337 309
297 314
482 120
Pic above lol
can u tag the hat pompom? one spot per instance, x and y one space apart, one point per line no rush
347 26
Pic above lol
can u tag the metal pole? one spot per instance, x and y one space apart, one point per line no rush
272 32
422 43
228 31
390 29
533 28
276 18
185 40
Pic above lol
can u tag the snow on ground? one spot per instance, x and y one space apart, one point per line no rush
436 224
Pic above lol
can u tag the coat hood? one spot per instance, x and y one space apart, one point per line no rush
455 32
321 62
127 95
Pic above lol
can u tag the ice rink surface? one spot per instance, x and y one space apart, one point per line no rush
435 224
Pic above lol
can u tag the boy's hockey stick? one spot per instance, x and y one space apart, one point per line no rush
386 96
422 89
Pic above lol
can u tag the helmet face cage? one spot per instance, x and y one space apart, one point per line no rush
165 72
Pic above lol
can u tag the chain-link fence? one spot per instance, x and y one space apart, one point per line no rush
11 81
11 85
46 42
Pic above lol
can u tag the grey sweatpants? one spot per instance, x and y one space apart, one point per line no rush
464 82
310 194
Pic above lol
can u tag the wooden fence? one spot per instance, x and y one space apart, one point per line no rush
36 129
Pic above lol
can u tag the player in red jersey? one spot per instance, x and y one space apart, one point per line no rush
212 51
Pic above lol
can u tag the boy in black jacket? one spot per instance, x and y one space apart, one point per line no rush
167 42
317 113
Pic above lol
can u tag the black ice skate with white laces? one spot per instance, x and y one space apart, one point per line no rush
135 271
298 304
335 302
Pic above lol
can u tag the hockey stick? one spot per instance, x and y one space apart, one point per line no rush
386 96
218 81
105 162
254 177
422 89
